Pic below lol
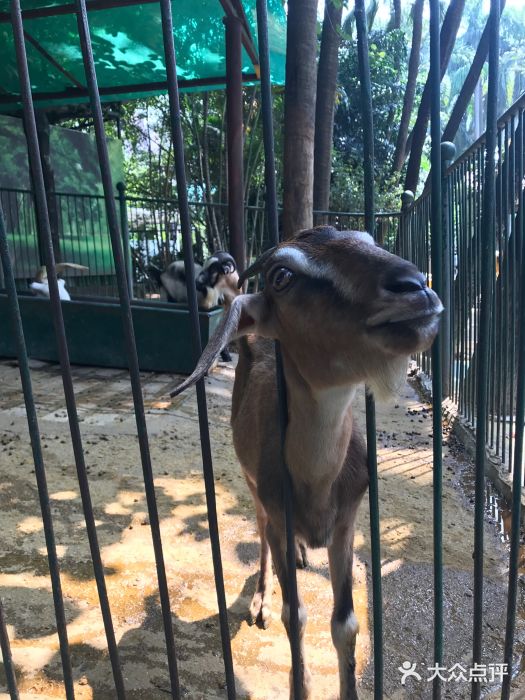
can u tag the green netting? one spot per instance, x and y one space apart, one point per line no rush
127 44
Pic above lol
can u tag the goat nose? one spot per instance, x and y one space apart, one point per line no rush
406 282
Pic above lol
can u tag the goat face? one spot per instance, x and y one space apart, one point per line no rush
344 309
220 278
339 297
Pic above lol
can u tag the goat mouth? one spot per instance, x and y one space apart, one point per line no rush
404 318
411 310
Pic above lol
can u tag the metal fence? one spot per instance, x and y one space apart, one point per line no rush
462 193
468 222
152 235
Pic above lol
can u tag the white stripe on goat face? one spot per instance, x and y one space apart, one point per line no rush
301 263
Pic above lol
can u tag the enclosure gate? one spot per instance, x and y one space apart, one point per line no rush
435 209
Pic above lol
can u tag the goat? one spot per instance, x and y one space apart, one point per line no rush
40 285
216 281
345 312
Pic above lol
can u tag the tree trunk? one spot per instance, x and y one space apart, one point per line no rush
44 133
395 16
470 83
449 30
410 90
299 116
324 105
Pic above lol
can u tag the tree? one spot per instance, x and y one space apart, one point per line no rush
299 116
448 34
410 90
388 66
325 103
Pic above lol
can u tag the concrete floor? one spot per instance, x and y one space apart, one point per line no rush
261 658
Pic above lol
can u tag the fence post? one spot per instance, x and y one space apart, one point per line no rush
402 245
124 231
448 151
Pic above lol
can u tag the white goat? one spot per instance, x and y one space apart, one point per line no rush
345 312
40 285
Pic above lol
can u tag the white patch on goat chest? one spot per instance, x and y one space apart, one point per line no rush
318 435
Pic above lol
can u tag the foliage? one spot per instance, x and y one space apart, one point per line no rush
388 68
148 148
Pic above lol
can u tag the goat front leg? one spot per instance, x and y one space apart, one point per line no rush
344 624
276 539
261 606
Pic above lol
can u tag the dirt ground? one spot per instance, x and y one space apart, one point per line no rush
261 658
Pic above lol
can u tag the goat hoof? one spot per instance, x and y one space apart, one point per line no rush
301 555
225 355
260 613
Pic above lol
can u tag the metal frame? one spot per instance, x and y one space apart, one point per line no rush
415 236
232 8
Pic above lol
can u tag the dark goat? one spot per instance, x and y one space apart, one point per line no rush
216 282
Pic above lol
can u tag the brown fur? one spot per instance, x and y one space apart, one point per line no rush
348 312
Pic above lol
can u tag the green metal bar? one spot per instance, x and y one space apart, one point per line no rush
368 167
487 234
518 447
437 273
513 288
499 305
506 290
447 154
7 657
124 232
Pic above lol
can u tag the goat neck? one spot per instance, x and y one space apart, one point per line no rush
319 429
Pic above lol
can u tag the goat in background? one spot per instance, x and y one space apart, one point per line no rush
40 285
345 312
216 281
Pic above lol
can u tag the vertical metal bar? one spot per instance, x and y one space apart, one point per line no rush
487 234
267 123
448 151
131 351
234 108
505 291
518 445
207 463
6 657
447 183
371 445
273 230
58 321
499 294
34 433
474 238
437 269
124 230
511 288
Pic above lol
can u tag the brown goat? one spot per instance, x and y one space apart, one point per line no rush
345 312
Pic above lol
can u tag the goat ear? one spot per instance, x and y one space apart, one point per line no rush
248 313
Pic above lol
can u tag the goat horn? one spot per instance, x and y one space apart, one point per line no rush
225 331
60 267
256 267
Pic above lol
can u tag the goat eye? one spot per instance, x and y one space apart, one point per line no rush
281 278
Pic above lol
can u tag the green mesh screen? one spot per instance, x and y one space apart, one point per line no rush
127 44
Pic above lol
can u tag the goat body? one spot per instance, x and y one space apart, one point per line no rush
345 312
40 285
